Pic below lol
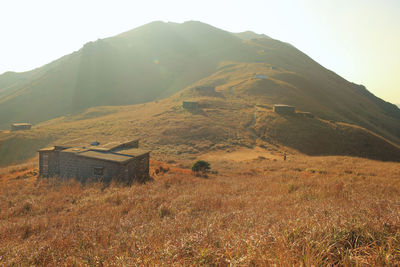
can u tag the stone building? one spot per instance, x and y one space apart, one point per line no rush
122 162
284 109
20 126
190 105
205 90
261 76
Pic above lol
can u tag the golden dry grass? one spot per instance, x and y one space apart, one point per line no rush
303 211
224 122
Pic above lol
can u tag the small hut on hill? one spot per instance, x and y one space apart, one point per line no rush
284 109
261 76
120 161
190 105
20 126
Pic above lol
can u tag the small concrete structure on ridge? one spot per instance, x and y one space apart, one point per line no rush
284 109
190 105
20 126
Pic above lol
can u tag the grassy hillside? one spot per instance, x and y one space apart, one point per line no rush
318 211
228 119
313 89
18 148
147 63
159 59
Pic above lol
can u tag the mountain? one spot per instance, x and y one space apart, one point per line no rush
160 59
248 35
147 63
227 121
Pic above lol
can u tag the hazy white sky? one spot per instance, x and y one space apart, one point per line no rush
358 39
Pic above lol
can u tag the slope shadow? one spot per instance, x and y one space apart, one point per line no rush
317 137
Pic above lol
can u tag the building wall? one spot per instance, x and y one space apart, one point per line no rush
190 105
284 109
81 168
138 169
20 127
49 163
69 165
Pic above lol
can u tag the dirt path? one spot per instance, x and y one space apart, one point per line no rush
253 121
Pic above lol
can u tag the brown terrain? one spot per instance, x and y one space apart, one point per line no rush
257 211
232 118
254 208
334 200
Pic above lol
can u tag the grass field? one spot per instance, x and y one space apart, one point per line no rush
261 211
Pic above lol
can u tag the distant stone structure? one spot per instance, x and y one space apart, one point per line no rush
284 109
207 90
261 76
20 126
190 105
122 162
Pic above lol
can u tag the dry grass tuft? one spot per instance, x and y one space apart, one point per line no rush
250 213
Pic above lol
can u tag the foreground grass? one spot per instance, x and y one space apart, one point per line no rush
309 211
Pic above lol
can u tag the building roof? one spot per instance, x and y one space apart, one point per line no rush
115 151
75 150
51 148
120 156
135 152
21 124
105 156
111 145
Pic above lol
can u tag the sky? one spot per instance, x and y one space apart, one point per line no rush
357 39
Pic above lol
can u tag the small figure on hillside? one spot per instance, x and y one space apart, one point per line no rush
284 156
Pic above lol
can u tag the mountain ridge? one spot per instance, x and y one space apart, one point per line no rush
159 59
248 35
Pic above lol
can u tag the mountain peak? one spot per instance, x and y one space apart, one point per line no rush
248 35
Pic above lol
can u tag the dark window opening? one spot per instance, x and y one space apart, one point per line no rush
98 171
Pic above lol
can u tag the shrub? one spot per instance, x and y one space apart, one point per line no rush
201 166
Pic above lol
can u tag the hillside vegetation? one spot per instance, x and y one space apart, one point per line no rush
159 59
302 189
227 120
147 63
310 211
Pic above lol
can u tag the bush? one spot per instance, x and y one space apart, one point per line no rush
201 166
